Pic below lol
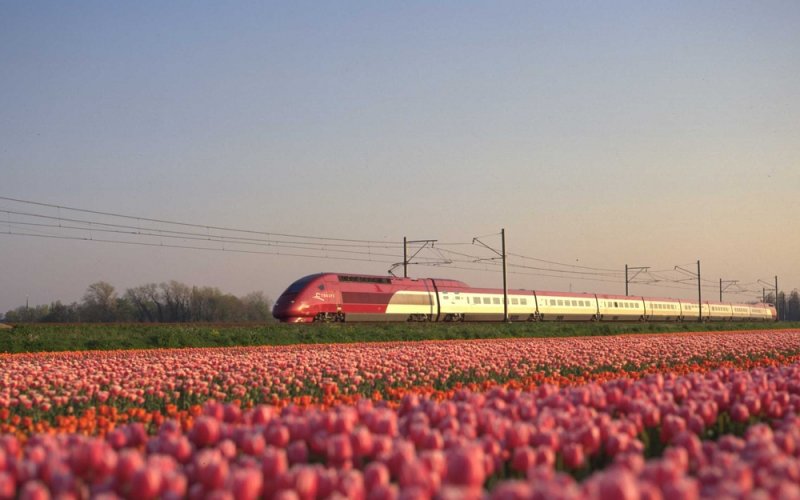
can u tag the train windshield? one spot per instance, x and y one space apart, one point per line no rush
298 285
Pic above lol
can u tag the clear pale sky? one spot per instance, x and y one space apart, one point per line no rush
601 133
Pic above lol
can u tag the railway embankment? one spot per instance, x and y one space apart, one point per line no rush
88 336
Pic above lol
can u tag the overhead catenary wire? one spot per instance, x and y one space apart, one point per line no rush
249 241
179 223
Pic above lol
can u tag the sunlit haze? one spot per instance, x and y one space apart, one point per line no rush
598 134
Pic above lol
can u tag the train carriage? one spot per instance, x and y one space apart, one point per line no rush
620 308
720 311
691 312
486 304
356 297
561 306
740 312
658 309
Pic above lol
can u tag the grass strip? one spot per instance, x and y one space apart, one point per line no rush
93 336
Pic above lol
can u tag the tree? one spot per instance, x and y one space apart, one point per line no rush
60 313
202 303
177 300
146 302
25 314
793 306
99 302
256 307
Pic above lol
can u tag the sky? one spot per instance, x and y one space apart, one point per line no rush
598 134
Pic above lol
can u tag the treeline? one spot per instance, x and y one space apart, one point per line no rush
788 307
172 302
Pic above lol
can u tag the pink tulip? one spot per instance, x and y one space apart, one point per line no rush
247 484
465 466
146 483
206 431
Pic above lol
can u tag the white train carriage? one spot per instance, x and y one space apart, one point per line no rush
485 305
721 311
760 312
691 312
559 306
740 312
620 308
662 309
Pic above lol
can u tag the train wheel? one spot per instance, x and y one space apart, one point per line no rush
322 318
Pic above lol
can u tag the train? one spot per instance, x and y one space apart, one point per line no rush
334 297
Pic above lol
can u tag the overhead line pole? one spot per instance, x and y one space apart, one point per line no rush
638 271
699 289
699 293
406 259
505 276
764 294
502 255
728 283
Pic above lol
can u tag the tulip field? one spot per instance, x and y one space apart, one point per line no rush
672 416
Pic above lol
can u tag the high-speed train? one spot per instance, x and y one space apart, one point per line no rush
332 297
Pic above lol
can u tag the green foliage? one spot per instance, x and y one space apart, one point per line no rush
92 336
171 302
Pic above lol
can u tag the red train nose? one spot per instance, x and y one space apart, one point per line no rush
285 307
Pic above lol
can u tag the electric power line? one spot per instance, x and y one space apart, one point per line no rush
323 247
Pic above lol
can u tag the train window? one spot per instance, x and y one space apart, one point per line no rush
574 302
514 301
496 300
487 300
560 302
523 302
616 304
301 283
365 279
